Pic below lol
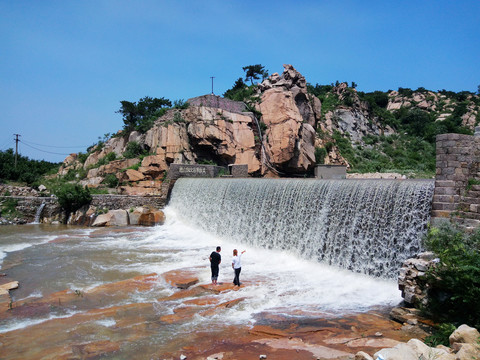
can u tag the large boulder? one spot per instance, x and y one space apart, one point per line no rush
112 218
465 334
134 175
152 218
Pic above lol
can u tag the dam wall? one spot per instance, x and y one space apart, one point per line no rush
367 226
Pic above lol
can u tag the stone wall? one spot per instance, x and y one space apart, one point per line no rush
185 170
336 172
218 102
116 202
27 206
456 196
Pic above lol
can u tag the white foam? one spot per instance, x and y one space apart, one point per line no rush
278 281
21 324
108 322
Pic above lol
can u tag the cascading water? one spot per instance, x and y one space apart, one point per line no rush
367 226
38 213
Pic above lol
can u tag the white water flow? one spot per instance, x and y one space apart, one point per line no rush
39 213
367 226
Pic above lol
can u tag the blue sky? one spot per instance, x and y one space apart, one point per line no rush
66 65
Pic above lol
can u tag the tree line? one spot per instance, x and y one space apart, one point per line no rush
26 170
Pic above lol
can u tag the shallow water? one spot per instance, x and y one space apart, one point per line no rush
48 259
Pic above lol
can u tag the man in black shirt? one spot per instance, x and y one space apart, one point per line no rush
215 260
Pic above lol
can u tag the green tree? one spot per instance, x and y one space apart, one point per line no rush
454 283
237 89
72 197
320 154
255 72
27 170
142 114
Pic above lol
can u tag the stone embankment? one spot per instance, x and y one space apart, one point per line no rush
137 208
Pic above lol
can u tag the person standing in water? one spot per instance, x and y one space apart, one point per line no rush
215 260
237 266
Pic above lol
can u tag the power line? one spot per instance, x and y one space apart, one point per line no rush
45 151
5 144
58 147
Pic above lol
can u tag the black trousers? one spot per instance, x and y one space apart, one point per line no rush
214 269
236 280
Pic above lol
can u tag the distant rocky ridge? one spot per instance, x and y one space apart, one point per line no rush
279 138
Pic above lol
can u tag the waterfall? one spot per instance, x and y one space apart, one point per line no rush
367 226
39 213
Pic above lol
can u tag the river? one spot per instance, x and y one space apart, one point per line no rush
51 261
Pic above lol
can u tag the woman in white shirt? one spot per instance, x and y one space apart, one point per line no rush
237 266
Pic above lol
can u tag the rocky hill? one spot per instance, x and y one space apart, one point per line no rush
283 128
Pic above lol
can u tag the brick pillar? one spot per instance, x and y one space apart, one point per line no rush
457 164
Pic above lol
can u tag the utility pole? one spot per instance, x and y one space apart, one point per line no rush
16 148
212 77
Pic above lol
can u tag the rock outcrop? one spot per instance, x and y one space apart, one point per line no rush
354 120
290 114
217 130
438 104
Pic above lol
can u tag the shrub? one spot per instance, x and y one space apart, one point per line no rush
206 162
470 183
263 127
9 208
345 147
111 156
405 91
454 283
180 104
70 175
133 150
440 335
329 103
111 181
177 118
98 191
82 157
72 197
320 154
134 166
